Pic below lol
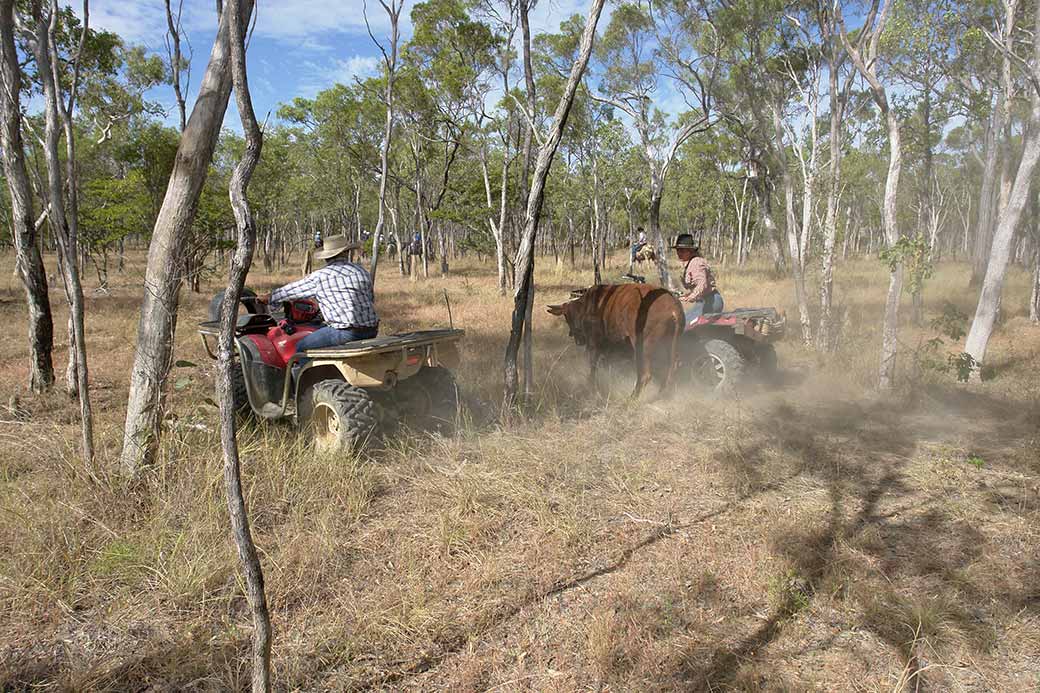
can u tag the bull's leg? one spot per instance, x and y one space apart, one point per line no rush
594 357
643 371
669 368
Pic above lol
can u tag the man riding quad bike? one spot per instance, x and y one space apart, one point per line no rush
316 359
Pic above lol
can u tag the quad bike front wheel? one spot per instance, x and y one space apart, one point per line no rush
248 301
718 366
239 395
342 417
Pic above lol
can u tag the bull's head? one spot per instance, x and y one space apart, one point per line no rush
570 313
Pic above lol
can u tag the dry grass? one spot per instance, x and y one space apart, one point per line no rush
810 537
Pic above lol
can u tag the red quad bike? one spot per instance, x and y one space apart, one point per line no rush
720 350
343 395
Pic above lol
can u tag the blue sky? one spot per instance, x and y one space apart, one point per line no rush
299 47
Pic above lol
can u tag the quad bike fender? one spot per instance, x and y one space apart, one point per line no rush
265 384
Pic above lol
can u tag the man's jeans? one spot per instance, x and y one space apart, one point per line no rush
636 247
712 303
329 336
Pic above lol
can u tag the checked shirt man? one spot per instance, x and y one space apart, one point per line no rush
343 290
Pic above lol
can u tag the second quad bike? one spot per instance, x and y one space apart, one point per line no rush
719 350
341 395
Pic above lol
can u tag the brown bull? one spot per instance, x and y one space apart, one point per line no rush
643 320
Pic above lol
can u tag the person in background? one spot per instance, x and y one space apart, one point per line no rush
308 254
700 295
639 244
344 293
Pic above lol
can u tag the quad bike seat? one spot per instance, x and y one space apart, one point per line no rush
254 322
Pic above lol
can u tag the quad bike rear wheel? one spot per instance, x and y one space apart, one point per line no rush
342 417
768 367
430 399
718 366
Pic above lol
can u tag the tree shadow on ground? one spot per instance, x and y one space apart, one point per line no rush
907 547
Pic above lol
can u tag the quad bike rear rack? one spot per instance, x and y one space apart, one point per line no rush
758 324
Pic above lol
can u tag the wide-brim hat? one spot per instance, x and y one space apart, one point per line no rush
334 246
686 240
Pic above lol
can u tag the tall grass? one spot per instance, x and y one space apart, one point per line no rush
635 546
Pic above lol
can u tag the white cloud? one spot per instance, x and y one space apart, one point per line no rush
355 66
137 22
304 23
294 20
548 14
317 76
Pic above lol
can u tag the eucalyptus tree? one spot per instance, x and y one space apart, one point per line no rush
865 57
773 104
226 361
179 64
1011 215
153 355
550 141
920 42
24 228
41 33
393 10
339 132
840 80
638 53
449 59
501 123
983 66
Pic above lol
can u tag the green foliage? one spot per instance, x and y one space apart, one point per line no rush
113 208
912 252
789 593
962 365
952 322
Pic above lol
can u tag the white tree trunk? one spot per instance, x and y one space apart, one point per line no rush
825 330
64 219
393 10
1034 296
153 356
867 68
1003 238
890 327
28 261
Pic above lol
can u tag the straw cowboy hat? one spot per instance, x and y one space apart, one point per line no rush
686 240
335 246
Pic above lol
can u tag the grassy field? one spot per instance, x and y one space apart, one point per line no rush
809 536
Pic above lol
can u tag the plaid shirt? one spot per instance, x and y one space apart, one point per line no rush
343 291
